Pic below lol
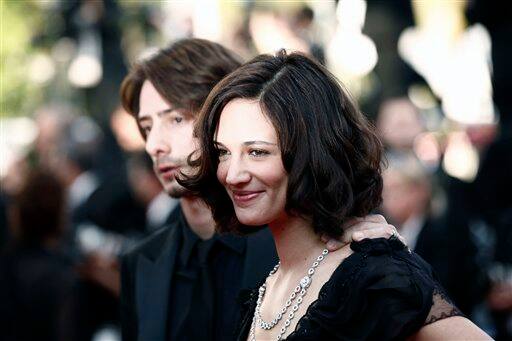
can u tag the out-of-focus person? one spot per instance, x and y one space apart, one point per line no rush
77 148
51 120
110 220
407 198
102 268
398 123
104 214
303 26
70 144
494 183
493 202
35 276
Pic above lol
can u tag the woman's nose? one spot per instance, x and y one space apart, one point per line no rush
237 172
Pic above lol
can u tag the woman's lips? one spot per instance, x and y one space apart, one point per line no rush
244 198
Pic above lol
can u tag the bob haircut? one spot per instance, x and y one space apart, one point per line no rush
328 148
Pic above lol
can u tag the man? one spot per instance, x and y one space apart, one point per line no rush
182 282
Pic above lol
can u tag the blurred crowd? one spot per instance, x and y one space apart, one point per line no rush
82 191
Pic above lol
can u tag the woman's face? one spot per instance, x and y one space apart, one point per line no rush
250 165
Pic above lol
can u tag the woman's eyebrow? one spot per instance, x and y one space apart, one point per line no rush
248 143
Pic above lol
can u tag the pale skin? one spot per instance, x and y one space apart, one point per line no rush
169 140
251 169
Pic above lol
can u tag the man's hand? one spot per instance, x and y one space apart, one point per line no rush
357 229
103 270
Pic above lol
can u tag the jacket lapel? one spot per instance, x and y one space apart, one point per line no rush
260 258
153 284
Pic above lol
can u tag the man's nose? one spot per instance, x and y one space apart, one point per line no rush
156 143
237 172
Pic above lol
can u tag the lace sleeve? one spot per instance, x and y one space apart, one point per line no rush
442 306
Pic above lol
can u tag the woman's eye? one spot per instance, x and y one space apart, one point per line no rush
258 152
178 119
222 152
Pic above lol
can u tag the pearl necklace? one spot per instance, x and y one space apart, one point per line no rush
296 296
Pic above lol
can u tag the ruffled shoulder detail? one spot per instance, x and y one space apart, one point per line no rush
381 292
378 246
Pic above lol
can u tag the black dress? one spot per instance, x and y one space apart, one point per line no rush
380 292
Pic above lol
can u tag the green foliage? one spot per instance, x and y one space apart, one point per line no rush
18 24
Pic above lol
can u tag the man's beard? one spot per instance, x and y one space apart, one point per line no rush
173 188
177 191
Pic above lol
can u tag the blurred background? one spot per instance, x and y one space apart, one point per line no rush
77 189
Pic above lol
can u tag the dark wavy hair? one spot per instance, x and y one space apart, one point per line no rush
329 149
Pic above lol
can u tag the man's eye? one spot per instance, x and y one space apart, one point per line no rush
145 130
172 117
258 152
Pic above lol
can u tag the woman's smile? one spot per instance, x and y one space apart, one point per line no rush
245 198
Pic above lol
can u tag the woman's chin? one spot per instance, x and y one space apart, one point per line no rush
252 220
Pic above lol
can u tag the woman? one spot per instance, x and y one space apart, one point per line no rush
285 146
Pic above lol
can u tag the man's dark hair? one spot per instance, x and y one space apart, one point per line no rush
40 207
183 73
329 150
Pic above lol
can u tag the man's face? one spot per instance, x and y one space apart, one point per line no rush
169 137
402 198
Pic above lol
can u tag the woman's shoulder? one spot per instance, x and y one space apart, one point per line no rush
380 291
392 259
380 259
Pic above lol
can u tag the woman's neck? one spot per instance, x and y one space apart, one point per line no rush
296 241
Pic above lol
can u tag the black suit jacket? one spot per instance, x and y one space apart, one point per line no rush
146 277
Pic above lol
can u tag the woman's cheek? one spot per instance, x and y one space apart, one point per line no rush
221 172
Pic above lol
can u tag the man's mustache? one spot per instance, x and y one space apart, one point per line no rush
166 159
